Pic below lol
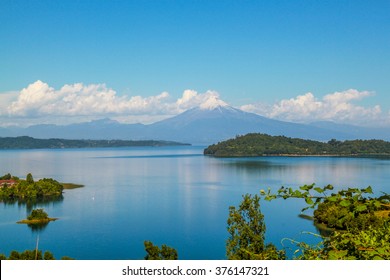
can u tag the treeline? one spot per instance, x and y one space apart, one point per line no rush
255 144
28 189
153 253
31 255
26 142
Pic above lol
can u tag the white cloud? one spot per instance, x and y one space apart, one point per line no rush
192 99
7 98
338 107
78 101
38 99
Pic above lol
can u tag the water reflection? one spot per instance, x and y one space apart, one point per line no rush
249 165
38 228
154 156
31 204
297 171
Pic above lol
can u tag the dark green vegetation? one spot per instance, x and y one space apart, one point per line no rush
265 145
25 142
17 189
31 255
246 233
155 253
37 216
8 176
358 225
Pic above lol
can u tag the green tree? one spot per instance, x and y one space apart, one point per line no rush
29 178
38 214
26 255
31 255
14 255
168 253
48 256
7 176
155 253
246 229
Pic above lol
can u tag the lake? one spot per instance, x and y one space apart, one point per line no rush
168 195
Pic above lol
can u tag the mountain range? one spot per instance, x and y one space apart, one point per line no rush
199 126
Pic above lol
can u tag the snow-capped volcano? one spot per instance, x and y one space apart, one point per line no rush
215 120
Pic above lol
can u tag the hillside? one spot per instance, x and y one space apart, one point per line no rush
265 145
25 142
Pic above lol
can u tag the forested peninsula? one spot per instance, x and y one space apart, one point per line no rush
13 188
255 144
26 142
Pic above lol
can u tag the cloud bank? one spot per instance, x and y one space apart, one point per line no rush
337 107
78 101
40 103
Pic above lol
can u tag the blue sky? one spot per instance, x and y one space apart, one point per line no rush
251 54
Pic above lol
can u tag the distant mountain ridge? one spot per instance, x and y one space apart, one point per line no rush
200 125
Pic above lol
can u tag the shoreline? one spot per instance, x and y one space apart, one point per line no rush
303 155
37 222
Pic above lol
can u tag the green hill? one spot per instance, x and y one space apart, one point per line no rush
252 145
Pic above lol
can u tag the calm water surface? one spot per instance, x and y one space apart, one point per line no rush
170 195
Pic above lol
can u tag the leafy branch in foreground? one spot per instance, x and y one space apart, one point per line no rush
342 210
360 223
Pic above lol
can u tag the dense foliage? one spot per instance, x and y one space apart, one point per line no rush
38 214
246 233
262 145
25 142
29 189
155 253
360 224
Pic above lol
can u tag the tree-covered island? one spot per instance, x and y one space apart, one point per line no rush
255 144
37 216
13 188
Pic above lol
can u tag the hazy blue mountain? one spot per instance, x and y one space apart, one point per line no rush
199 126
355 131
224 122
99 129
